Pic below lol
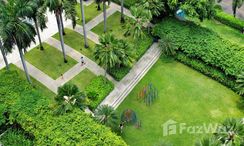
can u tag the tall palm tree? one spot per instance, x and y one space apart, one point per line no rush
15 30
122 19
34 10
3 51
106 52
104 12
57 7
83 23
106 115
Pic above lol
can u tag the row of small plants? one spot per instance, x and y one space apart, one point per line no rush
204 45
51 122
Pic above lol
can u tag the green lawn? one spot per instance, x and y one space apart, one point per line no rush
50 61
43 89
118 30
224 31
76 41
83 79
90 12
185 96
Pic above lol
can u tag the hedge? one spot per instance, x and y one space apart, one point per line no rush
127 3
100 87
209 71
229 20
203 44
34 112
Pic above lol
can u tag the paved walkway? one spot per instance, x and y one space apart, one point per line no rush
227 6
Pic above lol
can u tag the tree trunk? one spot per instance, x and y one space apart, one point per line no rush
83 23
38 34
122 20
24 65
4 56
105 16
61 36
62 23
98 7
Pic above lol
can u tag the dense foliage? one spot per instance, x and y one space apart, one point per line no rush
97 90
203 44
229 20
34 112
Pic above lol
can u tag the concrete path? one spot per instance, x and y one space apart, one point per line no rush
227 6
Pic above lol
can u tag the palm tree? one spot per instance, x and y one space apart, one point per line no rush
154 6
208 141
57 7
3 51
15 30
240 83
231 132
34 10
167 46
106 115
83 23
106 52
122 19
104 12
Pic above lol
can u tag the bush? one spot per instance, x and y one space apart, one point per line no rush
34 112
15 138
207 70
99 86
203 44
229 20
119 73
127 3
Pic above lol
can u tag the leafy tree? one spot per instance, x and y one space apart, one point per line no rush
68 97
154 6
104 11
83 23
14 29
240 84
231 132
135 27
57 7
167 46
106 115
208 141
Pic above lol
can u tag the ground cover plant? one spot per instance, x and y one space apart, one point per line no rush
34 112
185 96
117 29
50 64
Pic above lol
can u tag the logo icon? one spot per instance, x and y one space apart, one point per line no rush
169 127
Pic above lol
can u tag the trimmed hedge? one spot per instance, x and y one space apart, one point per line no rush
229 20
207 70
34 112
127 3
100 87
203 44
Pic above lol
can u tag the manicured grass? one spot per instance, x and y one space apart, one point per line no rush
40 87
90 12
50 61
185 96
224 31
118 30
76 41
83 79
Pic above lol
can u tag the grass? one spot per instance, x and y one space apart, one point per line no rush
83 79
50 61
90 12
76 41
224 31
185 96
40 87
118 30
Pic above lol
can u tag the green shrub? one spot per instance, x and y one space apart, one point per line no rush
127 3
119 73
34 112
206 69
99 86
229 20
203 44
15 138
